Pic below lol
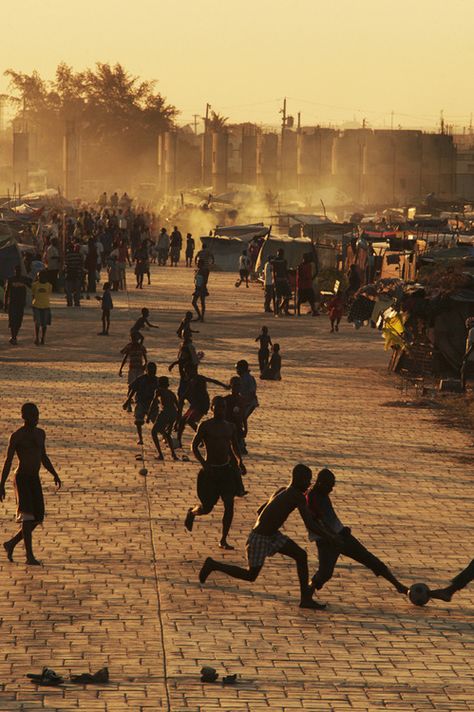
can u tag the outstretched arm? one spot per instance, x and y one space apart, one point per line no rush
152 326
216 383
7 466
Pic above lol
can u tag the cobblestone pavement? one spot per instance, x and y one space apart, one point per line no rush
119 585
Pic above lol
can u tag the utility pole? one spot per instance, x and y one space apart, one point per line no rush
195 117
299 120
206 120
283 113
442 121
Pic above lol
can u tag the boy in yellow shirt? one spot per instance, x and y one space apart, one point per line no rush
41 292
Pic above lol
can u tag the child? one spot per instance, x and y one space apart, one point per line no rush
335 311
107 305
235 413
263 351
135 352
166 417
140 324
272 371
184 329
143 388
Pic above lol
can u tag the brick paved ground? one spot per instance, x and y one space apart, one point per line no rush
119 586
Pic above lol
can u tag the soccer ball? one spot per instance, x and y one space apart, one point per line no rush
143 471
419 594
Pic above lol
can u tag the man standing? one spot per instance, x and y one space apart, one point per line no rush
163 246
304 284
190 244
28 444
265 539
15 300
281 282
221 468
176 242
74 273
52 263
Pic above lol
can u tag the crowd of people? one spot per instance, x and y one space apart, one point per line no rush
110 237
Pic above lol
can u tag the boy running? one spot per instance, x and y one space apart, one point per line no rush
143 388
166 417
265 539
320 505
135 352
217 478
140 324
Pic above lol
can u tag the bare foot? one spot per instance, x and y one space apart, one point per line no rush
31 561
443 594
9 549
402 589
189 521
226 546
159 457
139 442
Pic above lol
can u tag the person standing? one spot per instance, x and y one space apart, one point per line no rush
304 284
176 243
107 305
244 266
41 292
217 478
15 300
73 269
281 282
163 247
190 246
268 285
265 341
29 445
200 290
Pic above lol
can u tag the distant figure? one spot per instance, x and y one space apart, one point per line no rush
281 282
166 417
335 311
107 306
265 342
248 387
41 292
190 245
200 290
184 330
176 243
102 202
204 256
272 372
266 540
52 263
135 353
140 324
143 389
244 266
268 285
163 247
114 200
28 444
15 300
304 284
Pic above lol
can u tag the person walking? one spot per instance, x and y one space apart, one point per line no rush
15 300
190 246
29 445
41 292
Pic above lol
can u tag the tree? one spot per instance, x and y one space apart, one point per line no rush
118 116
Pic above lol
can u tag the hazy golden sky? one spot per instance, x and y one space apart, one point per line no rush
334 60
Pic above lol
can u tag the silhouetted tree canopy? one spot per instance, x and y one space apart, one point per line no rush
118 116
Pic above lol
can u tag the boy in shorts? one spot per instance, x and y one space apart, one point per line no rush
166 417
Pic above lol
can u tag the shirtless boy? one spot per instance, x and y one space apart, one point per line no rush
28 444
218 477
265 539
